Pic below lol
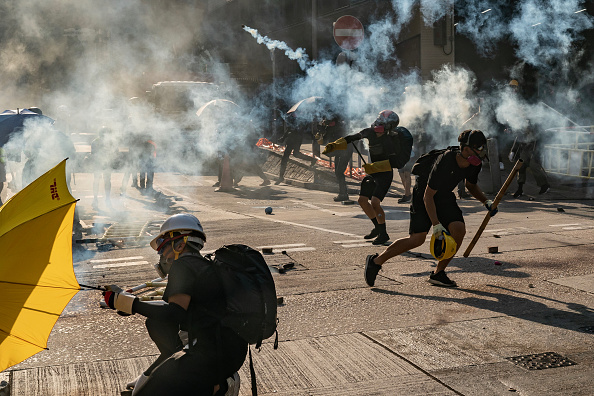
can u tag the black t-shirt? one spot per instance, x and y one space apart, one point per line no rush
446 174
380 147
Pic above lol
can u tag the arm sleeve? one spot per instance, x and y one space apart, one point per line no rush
161 312
356 136
473 175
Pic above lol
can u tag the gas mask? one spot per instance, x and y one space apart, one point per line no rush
163 266
477 159
379 128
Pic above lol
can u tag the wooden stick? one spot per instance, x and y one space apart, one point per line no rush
498 198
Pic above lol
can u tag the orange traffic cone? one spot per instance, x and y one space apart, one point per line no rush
226 179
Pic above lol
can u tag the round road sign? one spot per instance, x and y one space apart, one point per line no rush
348 32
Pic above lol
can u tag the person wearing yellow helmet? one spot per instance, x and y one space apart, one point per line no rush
434 205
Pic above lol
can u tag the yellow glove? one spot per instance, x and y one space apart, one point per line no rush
380 166
339 144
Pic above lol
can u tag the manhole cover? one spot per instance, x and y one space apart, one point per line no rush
541 361
587 329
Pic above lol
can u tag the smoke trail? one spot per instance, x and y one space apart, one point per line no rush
299 54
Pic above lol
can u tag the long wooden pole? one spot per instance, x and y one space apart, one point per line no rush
498 198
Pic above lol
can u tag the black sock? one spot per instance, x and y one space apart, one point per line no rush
382 228
374 221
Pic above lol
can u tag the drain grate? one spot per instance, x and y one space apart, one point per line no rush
541 361
587 329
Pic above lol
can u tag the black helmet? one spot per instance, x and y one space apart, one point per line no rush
36 110
473 138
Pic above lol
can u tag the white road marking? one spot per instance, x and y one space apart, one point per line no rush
116 259
349 241
124 264
298 249
577 228
564 225
357 245
282 246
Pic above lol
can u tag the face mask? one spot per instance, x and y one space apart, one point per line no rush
163 267
379 129
474 160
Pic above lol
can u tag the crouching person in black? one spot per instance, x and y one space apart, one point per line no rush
434 204
207 360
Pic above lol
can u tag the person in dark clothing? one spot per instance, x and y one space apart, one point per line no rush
434 204
198 355
293 137
331 128
376 184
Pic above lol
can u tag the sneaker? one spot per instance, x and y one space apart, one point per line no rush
233 385
341 197
404 199
518 193
279 181
371 269
463 194
373 234
217 184
441 279
381 239
544 189
265 182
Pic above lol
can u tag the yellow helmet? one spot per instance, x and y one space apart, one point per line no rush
443 246
514 83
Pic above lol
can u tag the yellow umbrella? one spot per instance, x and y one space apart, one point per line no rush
36 274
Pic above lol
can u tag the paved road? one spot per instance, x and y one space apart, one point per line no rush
338 336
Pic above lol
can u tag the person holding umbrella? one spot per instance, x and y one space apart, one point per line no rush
207 361
376 184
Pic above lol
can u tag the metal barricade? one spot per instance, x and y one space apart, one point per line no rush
574 159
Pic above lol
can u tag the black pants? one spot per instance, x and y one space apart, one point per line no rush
341 162
293 144
193 371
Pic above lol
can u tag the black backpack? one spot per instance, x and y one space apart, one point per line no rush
402 138
249 290
250 294
424 163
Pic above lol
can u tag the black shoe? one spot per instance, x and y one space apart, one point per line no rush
381 239
373 234
544 189
463 195
371 269
341 197
441 279
404 199
279 181
518 193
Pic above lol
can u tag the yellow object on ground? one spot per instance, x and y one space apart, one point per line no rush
339 144
375 167
37 278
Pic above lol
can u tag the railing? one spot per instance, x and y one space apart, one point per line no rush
575 159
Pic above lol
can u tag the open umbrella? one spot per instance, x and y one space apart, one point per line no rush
36 274
14 120
308 106
217 103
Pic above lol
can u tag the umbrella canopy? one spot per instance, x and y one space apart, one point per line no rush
36 274
307 105
215 103
14 120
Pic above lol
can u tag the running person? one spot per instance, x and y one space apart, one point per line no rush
208 363
376 184
434 204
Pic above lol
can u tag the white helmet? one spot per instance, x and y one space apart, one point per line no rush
183 223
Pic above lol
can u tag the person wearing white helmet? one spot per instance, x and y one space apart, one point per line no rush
207 360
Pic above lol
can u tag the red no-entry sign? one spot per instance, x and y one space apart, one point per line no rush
348 32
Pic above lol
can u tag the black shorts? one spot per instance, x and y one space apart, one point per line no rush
377 185
447 207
